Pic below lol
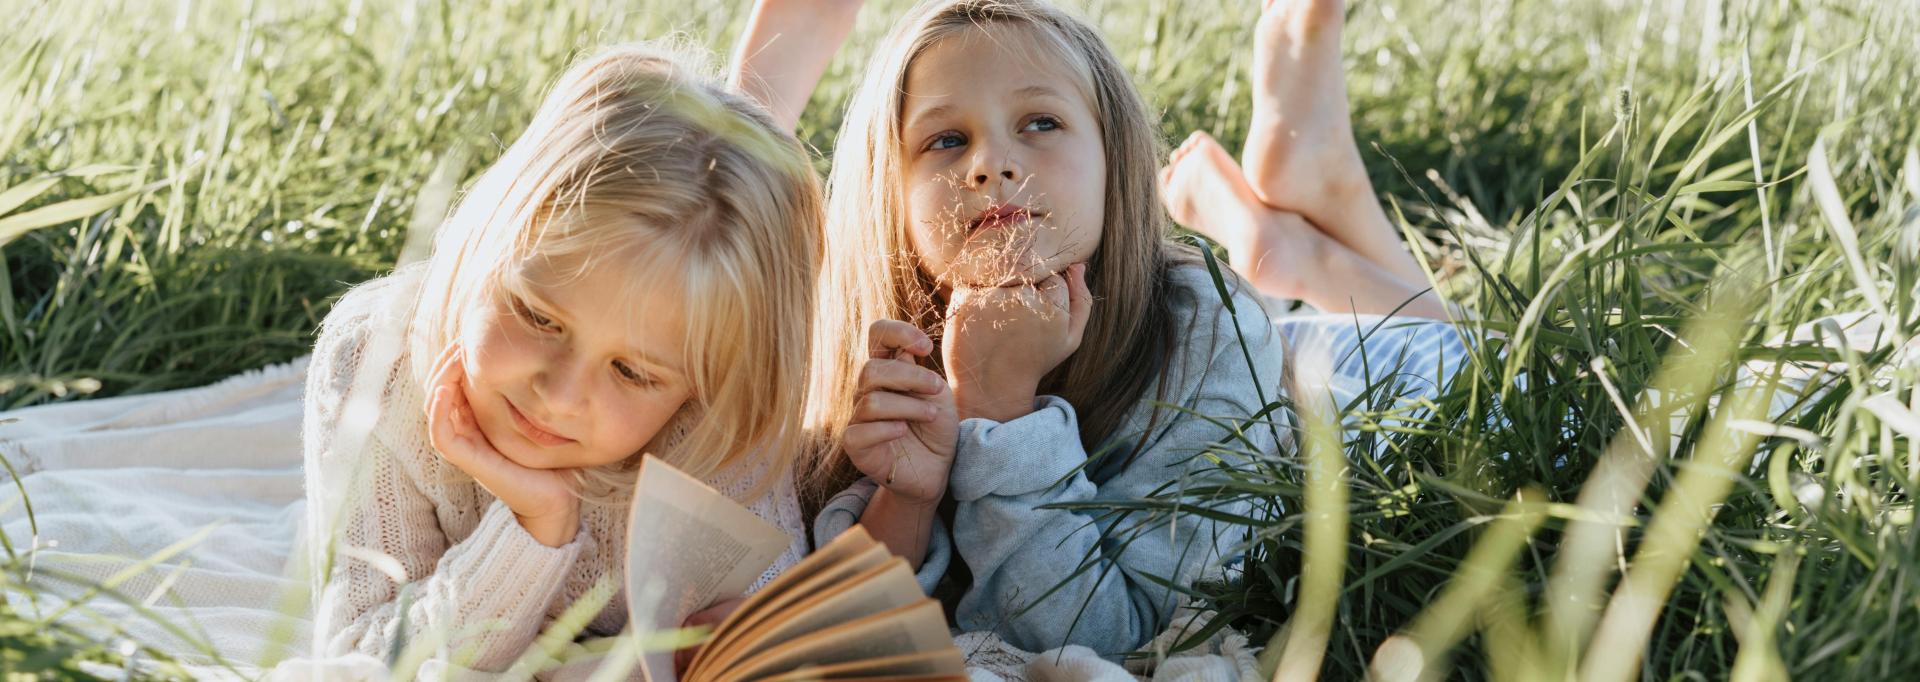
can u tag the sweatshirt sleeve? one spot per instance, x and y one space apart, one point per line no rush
386 575
844 510
1045 578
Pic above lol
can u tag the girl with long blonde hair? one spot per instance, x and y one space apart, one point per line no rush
633 276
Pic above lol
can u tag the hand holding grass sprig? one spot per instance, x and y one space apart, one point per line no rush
542 500
904 423
1000 341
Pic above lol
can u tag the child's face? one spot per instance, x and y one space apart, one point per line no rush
581 372
1005 172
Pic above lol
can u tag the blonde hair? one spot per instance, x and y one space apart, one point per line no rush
871 273
636 156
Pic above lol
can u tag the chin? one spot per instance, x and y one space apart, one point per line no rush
1004 273
519 455
511 445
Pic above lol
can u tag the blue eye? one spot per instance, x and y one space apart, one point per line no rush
938 141
1043 123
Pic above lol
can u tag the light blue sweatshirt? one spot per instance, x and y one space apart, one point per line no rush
1003 473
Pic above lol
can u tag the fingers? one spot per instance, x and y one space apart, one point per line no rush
1079 303
880 459
447 370
1053 291
444 428
454 432
868 435
714 614
452 429
900 375
683 658
880 406
456 435
888 338
963 298
1062 292
464 423
978 301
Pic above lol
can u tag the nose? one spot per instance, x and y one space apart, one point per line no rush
993 160
981 179
562 387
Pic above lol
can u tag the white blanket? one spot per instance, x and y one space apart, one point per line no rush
117 481
209 480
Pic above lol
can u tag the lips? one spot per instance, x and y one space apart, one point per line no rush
532 430
1000 216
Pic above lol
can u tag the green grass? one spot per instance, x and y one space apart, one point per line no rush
1594 178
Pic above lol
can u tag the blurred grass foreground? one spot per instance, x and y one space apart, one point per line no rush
1640 197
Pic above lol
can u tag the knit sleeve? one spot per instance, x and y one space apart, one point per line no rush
779 506
386 575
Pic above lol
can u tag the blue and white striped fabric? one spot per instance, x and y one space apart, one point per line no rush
1410 358
1335 358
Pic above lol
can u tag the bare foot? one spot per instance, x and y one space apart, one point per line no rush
1300 154
1300 146
1280 252
1205 191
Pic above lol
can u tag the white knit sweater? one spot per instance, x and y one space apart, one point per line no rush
465 567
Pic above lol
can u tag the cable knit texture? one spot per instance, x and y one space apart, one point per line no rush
465 567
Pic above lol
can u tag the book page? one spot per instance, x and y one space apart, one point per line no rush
886 587
908 629
931 663
855 541
688 546
733 634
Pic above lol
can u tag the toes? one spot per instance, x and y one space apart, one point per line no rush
1225 159
1195 141
1317 17
1206 145
1300 21
1272 23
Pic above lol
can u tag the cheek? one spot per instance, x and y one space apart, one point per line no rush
932 225
1090 181
498 350
1079 192
1096 193
631 424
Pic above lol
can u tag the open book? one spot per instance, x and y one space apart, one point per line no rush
848 611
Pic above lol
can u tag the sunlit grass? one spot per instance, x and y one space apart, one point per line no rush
1629 194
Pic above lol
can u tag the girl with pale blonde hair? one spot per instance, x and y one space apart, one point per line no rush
633 276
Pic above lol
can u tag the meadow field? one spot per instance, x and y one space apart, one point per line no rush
1636 197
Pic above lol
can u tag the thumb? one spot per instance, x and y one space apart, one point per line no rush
1079 302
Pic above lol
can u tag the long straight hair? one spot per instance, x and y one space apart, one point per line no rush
637 157
871 271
